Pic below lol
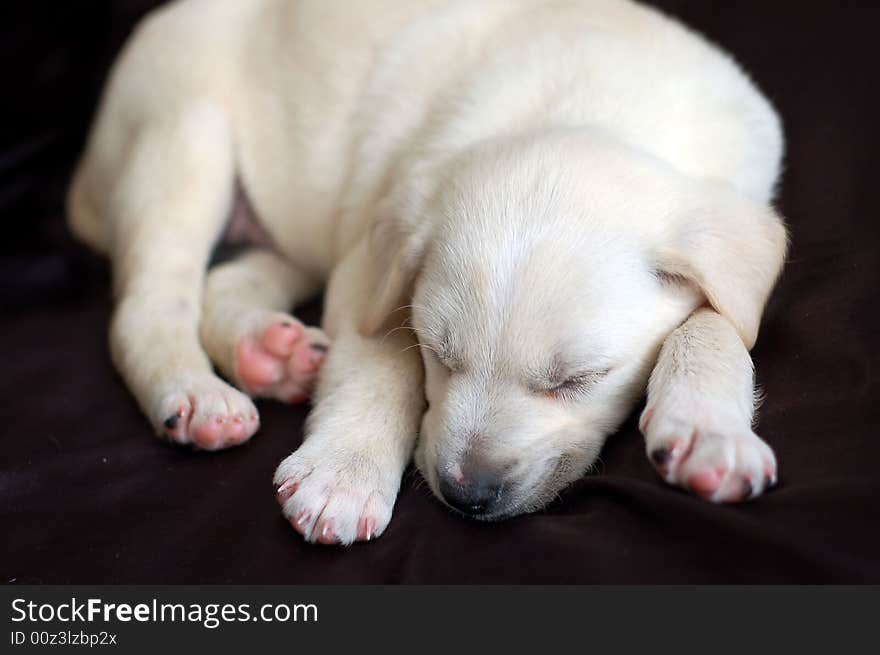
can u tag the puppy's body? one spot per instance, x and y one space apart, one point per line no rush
366 137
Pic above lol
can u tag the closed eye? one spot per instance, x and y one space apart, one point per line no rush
443 359
576 385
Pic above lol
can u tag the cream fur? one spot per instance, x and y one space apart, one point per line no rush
501 194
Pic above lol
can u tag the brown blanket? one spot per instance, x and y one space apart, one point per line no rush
87 494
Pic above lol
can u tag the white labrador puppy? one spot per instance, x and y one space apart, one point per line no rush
522 209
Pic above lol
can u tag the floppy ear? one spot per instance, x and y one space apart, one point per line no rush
397 241
733 250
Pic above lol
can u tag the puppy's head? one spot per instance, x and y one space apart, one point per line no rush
544 275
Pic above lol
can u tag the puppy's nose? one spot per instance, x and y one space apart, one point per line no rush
477 494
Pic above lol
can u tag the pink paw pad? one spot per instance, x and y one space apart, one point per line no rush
280 338
224 431
210 435
282 362
705 483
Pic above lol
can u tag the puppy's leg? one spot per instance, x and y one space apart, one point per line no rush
340 486
698 419
248 333
167 203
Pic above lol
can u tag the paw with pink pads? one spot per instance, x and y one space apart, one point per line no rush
207 413
334 498
720 460
281 359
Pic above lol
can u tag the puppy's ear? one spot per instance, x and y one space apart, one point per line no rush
732 249
397 241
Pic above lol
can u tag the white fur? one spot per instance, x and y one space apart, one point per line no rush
551 187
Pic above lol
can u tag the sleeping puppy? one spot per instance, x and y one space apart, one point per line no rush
525 212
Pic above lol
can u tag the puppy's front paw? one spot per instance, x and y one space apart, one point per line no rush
720 459
335 497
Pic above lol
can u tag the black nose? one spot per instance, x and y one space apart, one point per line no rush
479 494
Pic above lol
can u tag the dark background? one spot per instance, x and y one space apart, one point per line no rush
87 495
